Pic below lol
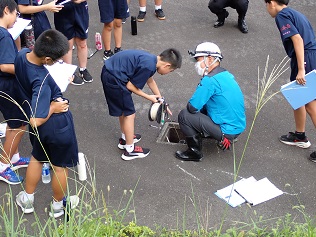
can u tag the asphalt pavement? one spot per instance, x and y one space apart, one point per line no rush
166 187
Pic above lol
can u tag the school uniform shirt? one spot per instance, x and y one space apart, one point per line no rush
219 93
9 86
37 85
8 51
136 66
291 22
41 22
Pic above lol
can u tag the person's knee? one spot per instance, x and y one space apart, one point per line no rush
108 26
181 116
117 23
216 6
81 44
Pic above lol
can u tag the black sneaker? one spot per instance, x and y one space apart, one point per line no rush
312 156
123 20
77 81
122 142
141 16
116 50
138 152
85 75
160 14
107 54
292 140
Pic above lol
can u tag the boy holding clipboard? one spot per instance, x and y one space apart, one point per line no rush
299 43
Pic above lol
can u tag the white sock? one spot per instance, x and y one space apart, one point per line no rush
82 69
15 157
27 197
157 7
3 166
129 148
57 205
142 9
123 136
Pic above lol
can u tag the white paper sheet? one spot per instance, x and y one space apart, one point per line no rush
61 72
18 27
258 192
229 195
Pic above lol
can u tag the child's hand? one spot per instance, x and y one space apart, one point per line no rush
52 7
60 105
169 111
300 78
153 98
70 79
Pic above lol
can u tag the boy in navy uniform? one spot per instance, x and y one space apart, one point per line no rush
125 73
216 109
50 120
111 13
10 159
299 43
73 22
41 22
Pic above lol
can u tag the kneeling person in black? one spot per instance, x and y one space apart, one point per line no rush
218 8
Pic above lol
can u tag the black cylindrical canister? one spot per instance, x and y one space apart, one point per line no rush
134 25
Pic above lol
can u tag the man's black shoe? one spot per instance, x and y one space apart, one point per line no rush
221 20
242 25
188 155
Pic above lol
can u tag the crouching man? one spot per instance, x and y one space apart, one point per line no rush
216 109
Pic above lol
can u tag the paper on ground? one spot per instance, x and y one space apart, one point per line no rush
229 195
18 27
258 192
61 72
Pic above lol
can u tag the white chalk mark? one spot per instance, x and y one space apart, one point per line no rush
188 173
232 174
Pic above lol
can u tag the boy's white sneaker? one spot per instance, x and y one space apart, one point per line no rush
74 201
27 207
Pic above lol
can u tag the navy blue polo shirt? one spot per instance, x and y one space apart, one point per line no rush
41 22
38 87
136 66
291 22
8 51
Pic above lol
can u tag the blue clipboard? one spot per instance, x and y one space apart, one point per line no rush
299 95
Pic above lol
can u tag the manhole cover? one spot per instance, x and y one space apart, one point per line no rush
171 134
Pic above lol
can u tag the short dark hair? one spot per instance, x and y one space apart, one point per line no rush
11 4
279 2
51 43
172 56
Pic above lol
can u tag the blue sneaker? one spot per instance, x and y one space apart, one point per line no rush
21 163
10 177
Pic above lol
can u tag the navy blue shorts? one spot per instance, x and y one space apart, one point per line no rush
73 20
118 97
110 9
310 63
11 112
58 140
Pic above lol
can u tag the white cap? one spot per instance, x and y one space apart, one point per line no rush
207 49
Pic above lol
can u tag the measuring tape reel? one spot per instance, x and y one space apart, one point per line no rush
158 112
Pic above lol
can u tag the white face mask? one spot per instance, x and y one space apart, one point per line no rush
199 70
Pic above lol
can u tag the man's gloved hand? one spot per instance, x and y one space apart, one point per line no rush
224 144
